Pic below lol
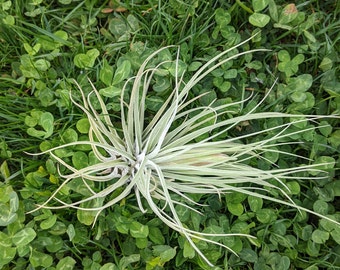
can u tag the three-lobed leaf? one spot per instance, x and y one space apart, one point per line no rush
41 124
287 65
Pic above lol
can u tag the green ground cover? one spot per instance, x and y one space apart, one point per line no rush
47 46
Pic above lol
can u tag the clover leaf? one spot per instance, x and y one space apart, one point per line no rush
40 124
287 65
87 60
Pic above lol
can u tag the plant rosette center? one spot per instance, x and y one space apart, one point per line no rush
165 159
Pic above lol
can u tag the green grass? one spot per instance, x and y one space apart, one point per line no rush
45 47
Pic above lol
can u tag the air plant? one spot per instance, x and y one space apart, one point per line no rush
162 159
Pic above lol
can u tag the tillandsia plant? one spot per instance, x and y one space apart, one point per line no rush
164 158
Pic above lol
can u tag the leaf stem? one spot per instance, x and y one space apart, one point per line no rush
244 7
